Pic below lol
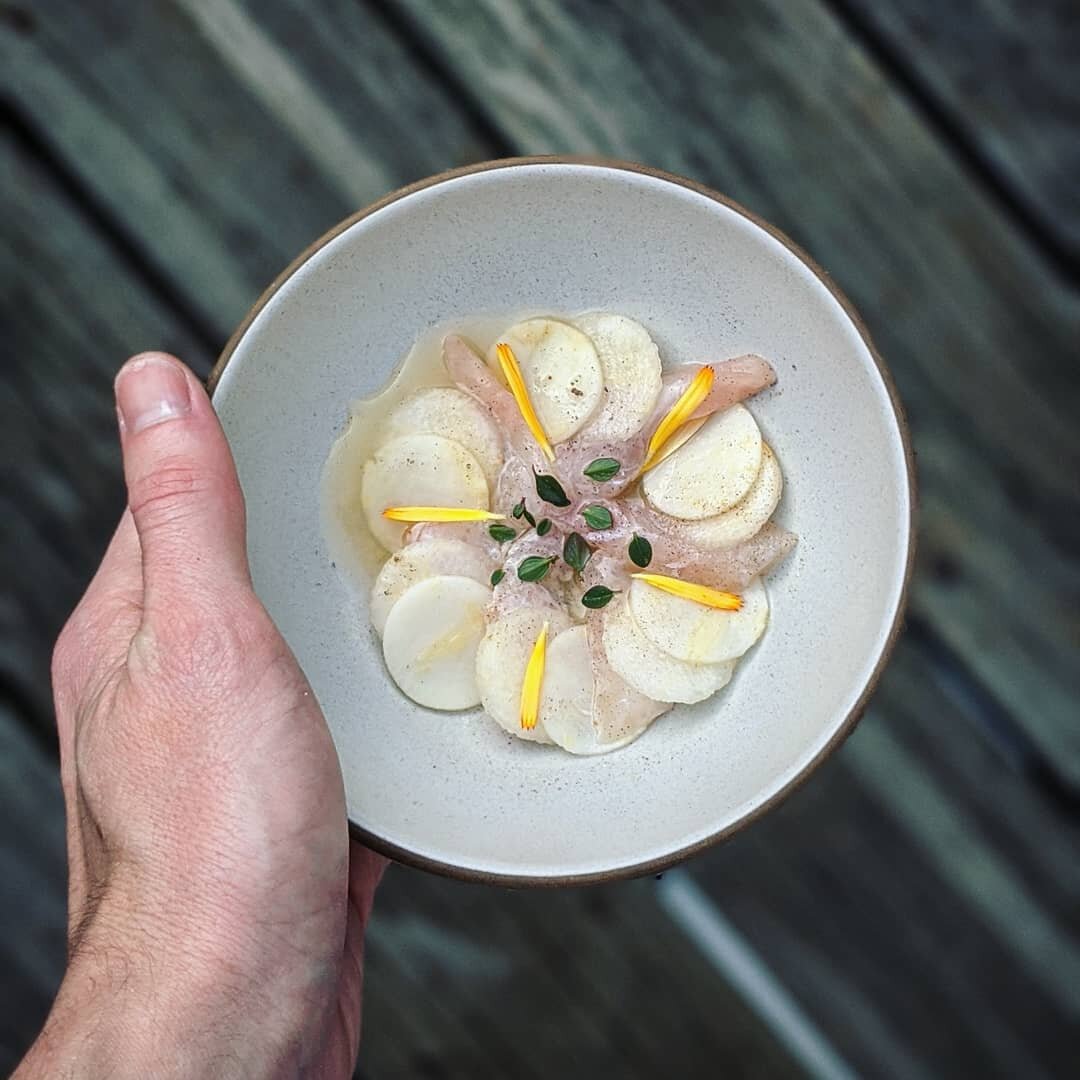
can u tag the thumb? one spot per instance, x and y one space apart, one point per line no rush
183 491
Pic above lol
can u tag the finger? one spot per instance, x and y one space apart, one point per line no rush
183 491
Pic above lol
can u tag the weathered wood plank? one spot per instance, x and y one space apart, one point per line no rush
176 118
72 313
1005 76
773 104
569 983
33 883
913 896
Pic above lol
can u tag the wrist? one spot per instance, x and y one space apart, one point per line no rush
125 1012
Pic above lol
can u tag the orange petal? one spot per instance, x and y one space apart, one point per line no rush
679 414
512 374
438 513
700 594
534 679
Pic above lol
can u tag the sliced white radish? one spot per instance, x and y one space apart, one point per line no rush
566 695
695 633
561 371
500 665
451 413
424 559
419 470
650 670
746 518
630 362
430 641
575 716
711 472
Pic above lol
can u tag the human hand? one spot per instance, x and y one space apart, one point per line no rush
216 912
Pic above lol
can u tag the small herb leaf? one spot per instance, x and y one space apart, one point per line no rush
501 533
550 490
576 551
640 551
534 567
543 527
597 597
603 468
498 576
519 509
529 518
597 517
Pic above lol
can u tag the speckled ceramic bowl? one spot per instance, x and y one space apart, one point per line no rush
451 792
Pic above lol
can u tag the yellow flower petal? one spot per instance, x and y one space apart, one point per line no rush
681 437
512 374
679 414
438 513
534 679
700 594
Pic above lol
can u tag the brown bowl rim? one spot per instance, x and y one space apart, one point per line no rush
664 862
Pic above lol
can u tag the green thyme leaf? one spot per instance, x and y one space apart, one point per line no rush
550 490
501 533
534 567
597 597
498 576
521 511
543 527
603 468
640 551
597 517
576 551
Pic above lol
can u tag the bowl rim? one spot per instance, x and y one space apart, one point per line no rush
680 855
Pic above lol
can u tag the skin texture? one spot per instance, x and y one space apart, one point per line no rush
216 907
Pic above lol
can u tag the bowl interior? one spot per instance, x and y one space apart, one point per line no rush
451 789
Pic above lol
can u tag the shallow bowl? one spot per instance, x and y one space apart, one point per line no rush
451 792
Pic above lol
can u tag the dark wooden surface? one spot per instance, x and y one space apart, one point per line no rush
916 908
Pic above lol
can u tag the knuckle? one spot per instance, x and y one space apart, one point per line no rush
211 644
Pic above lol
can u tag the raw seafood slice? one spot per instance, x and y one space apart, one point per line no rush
745 519
422 560
695 633
453 414
581 709
561 370
630 362
710 473
419 470
430 641
650 670
501 658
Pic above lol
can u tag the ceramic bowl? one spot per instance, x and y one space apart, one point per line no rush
450 791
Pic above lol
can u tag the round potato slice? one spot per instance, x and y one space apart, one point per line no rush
430 641
421 560
630 362
501 659
650 670
419 470
711 472
561 371
695 633
451 413
746 518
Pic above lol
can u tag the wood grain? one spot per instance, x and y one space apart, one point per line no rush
1002 77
